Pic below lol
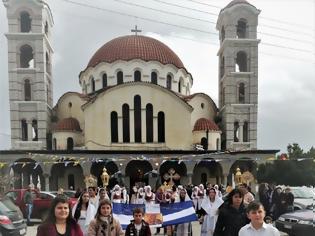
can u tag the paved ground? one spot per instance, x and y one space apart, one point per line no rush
31 231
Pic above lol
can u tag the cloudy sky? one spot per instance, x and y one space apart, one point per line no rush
286 54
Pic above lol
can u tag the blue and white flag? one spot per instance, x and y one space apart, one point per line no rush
173 214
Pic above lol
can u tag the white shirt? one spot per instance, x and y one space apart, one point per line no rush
265 230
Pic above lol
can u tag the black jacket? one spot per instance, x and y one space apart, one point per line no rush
230 221
144 231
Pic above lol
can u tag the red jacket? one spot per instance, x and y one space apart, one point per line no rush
50 229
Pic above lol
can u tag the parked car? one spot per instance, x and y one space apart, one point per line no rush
11 219
42 201
297 223
70 194
303 197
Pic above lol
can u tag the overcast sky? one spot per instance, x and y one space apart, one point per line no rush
286 110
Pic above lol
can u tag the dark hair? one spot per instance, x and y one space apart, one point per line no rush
77 212
137 210
51 218
232 193
254 206
102 203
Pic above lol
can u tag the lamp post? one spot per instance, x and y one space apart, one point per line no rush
105 178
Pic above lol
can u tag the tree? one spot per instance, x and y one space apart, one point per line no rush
295 151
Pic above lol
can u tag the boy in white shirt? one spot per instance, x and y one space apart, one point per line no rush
257 227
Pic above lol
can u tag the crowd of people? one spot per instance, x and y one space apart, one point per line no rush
229 212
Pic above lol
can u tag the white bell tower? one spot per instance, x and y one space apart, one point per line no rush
238 75
30 78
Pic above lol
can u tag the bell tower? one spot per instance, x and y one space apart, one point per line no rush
238 75
29 73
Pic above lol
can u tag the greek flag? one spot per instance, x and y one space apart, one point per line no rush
173 214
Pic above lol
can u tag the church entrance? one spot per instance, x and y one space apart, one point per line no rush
207 171
111 168
172 171
136 170
247 167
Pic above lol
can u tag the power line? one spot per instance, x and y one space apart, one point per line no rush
174 25
207 21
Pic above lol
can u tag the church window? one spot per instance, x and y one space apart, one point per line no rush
204 143
236 131
245 132
222 34
241 62
120 77
27 90
25 22
161 127
70 144
26 57
222 66
92 85
218 144
202 105
241 28
24 130
137 76
149 122
137 118
169 81
153 77
34 130
104 80
180 85
114 126
54 144
126 119
46 28
241 93
48 69
70 104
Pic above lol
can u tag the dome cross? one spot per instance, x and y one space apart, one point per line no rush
136 30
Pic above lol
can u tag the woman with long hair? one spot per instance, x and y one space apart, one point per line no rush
104 224
59 220
83 211
232 215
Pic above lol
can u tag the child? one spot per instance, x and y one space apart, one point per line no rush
138 227
256 213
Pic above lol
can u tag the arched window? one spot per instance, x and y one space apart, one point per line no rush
241 28
137 118
92 85
161 127
54 144
24 130
169 81
218 144
70 144
153 77
27 90
137 76
236 131
34 130
120 77
104 80
71 181
26 57
222 34
114 126
25 22
204 143
245 132
241 62
126 128
180 85
149 122
241 93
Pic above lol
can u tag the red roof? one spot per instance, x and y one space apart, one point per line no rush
205 124
135 47
68 124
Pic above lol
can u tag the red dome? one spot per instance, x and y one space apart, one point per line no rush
205 124
68 124
131 47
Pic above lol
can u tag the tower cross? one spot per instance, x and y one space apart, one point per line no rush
136 30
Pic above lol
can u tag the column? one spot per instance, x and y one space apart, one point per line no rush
46 182
132 125
29 131
155 129
120 129
143 126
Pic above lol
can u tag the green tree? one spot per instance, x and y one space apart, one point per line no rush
295 151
